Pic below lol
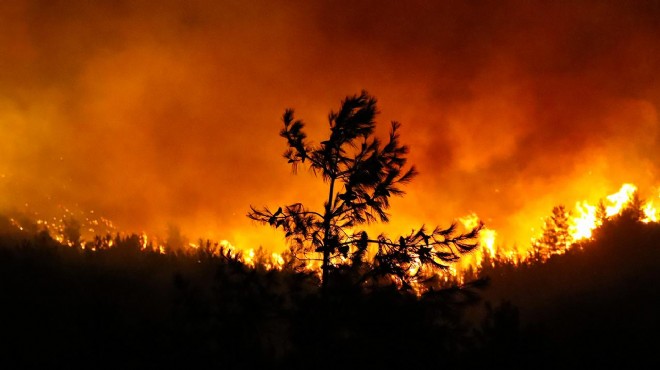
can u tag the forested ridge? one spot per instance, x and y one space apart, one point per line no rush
127 306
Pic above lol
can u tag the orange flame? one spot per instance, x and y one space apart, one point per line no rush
585 222
582 221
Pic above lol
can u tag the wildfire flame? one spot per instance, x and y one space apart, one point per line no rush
585 222
582 220
587 219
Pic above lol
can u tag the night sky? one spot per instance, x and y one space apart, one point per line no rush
157 113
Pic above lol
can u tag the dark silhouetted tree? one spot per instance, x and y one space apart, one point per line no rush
634 209
362 173
601 213
556 236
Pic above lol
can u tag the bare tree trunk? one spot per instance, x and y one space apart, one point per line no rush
326 237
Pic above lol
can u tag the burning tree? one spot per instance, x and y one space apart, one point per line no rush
362 173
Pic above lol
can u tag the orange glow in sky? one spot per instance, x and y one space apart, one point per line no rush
162 114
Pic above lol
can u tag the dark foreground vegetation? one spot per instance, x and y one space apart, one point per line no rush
598 304
126 307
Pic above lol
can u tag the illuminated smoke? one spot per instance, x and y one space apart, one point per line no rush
167 113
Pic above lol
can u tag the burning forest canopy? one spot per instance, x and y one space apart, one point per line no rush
161 118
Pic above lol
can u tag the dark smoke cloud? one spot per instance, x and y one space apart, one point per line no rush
157 113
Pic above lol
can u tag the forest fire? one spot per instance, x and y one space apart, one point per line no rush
498 135
576 225
587 216
145 204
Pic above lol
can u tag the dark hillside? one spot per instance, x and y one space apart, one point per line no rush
596 304
122 306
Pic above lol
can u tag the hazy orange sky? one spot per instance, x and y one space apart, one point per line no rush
157 113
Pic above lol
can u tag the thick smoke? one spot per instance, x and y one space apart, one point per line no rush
161 113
